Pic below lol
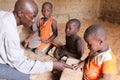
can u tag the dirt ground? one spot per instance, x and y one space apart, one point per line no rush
113 41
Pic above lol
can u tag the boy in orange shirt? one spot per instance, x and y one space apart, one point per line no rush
101 62
42 40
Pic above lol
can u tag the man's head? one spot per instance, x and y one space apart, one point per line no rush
95 36
72 27
25 12
47 9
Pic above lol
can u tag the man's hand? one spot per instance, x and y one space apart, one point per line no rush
26 43
60 65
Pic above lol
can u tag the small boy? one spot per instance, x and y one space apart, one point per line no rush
101 62
42 40
74 44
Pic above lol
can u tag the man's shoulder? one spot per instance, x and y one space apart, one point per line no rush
5 16
4 13
8 21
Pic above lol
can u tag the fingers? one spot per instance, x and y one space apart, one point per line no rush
68 66
26 43
75 66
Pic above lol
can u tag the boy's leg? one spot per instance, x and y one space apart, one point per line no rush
41 52
59 54
9 73
34 42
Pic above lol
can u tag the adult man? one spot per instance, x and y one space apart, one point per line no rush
11 55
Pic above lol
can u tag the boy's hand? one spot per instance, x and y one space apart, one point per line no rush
78 65
43 41
60 65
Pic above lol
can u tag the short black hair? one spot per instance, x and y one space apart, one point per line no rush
47 3
78 24
97 31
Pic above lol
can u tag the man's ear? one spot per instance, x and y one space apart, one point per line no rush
20 13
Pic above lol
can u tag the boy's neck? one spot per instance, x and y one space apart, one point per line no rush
45 19
104 48
74 35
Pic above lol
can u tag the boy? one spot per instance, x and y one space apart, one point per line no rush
74 44
42 40
101 62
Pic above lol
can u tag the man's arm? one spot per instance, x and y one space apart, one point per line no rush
105 77
17 59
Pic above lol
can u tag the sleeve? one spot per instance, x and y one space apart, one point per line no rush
109 67
16 59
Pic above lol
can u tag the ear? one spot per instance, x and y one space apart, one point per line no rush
20 13
77 30
100 42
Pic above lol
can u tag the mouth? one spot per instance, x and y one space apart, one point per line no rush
68 34
28 25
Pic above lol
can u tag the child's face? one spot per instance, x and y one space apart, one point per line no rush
93 44
46 11
71 29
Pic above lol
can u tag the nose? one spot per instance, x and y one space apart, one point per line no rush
88 46
33 20
67 30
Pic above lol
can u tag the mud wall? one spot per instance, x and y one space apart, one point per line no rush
110 10
64 9
82 9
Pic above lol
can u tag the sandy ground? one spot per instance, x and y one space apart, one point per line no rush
113 41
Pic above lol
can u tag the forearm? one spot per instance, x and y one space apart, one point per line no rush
33 66
50 39
15 58
60 65
105 77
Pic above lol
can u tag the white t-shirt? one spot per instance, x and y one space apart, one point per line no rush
10 50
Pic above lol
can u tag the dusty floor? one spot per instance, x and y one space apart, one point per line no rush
113 41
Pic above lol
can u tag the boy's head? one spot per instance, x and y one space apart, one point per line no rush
95 36
47 9
72 27
25 12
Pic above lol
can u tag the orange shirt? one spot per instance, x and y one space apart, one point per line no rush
45 32
103 63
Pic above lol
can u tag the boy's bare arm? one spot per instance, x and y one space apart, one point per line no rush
105 77
55 31
80 47
67 53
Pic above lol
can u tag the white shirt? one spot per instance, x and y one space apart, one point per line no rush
10 50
